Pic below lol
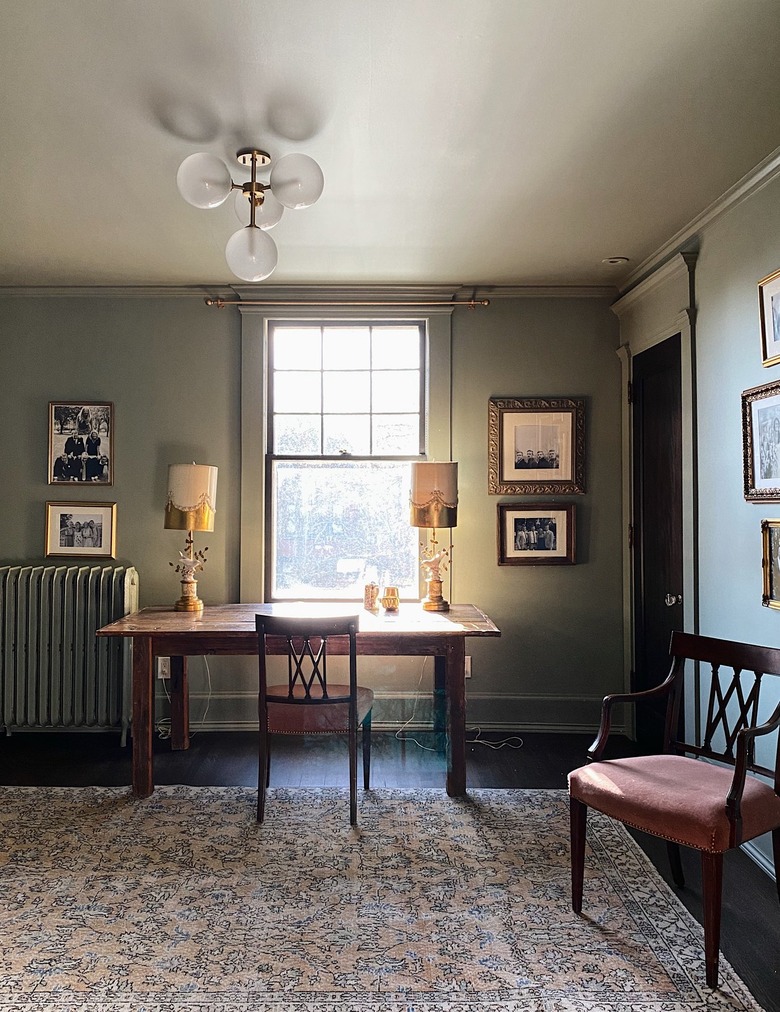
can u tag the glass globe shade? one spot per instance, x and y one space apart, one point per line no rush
251 254
297 181
266 216
204 180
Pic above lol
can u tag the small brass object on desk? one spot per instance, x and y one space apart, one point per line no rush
389 600
371 597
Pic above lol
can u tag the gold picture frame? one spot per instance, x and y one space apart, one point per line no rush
536 446
770 540
83 529
761 443
769 313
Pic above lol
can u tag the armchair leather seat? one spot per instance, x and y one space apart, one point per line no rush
675 797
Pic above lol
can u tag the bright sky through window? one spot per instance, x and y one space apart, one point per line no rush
345 419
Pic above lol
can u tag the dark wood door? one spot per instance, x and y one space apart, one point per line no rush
657 522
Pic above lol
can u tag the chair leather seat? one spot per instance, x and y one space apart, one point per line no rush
675 797
315 718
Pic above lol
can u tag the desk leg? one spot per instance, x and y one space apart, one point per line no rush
440 703
180 704
143 716
455 681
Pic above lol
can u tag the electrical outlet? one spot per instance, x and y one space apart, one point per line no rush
163 667
468 666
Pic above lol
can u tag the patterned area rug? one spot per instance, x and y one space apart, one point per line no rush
181 903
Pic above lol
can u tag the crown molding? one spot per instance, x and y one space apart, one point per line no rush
678 266
544 291
313 293
350 293
116 292
766 171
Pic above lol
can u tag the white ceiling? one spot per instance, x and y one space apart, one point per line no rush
503 142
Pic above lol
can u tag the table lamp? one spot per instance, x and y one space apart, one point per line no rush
192 493
434 504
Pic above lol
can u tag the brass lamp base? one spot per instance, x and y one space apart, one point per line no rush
189 600
434 601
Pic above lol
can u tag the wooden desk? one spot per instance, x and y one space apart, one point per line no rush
230 629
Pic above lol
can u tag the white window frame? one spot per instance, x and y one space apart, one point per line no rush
255 321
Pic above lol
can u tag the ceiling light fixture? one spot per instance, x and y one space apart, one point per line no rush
615 261
296 181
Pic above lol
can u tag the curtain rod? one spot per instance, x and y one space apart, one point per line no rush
314 304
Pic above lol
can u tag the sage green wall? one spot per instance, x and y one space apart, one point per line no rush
742 248
171 366
562 636
736 253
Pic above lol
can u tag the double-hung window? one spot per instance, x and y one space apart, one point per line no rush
346 415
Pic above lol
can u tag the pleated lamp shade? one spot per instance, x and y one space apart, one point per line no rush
192 496
434 496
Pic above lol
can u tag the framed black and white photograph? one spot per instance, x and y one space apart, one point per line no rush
770 536
81 528
536 446
761 442
541 534
81 441
769 311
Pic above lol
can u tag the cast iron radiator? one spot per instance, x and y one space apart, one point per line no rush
54 671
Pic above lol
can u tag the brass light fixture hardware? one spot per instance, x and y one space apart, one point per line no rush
296 181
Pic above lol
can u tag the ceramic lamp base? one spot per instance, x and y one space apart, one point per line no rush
189 600
434 601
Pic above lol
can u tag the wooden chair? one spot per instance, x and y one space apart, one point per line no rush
308 703
677 795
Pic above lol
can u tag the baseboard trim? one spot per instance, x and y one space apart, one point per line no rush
407 708
421 726
763 862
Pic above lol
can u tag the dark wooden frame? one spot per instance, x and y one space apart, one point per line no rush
770 532
510 555
564 413
769 293
761 437
55 439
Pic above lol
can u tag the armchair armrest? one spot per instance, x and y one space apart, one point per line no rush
746 740
596 750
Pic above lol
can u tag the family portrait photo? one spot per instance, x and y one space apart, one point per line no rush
537 447
80 443
538 534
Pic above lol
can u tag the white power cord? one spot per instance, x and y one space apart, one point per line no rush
163 725
476 731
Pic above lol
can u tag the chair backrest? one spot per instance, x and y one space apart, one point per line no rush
305 642
726 684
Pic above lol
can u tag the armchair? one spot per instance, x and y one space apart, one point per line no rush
680 796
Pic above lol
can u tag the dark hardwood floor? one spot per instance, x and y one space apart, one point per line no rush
750 937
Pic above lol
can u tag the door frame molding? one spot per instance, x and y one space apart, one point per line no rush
657 308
